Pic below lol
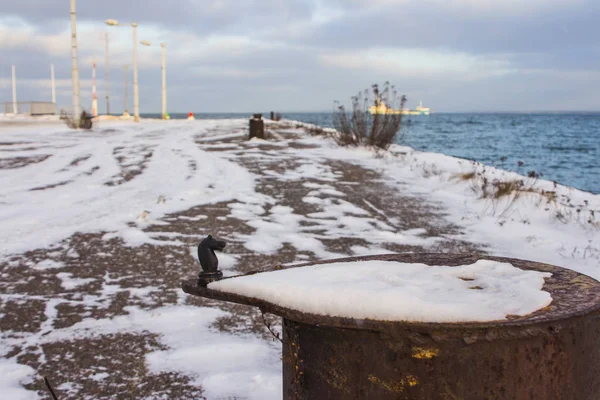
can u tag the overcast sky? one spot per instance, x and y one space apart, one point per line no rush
301 55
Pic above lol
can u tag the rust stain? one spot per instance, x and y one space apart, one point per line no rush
547 308
424 353
336 379
398 387
583 282
412 380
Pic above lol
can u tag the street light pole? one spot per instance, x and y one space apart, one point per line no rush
136 99
14 90
126 103
53 84
75 70
94 97
164 80
164 77
107 78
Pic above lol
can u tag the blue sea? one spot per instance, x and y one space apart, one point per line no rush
561 147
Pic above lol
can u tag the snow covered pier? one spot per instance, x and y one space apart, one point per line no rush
428 326
100 226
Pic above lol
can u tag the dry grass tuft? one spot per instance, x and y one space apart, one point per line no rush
466 176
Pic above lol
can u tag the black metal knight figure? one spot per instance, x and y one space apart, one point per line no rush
208 260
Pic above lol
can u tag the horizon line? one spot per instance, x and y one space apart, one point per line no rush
434 112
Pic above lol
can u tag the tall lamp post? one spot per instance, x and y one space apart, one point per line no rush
53 84
75 71
126 99
164 80
163 69
136 99
107 78
14 91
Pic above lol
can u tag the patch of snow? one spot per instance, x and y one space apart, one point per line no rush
133 237
282 226
70 283
48 264
308 171
12 377
72 253
99 377
395 291
196 218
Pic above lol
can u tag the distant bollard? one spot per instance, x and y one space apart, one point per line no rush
272 116
85 121
257 127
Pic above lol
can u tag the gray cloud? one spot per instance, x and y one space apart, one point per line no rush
236 55
203 16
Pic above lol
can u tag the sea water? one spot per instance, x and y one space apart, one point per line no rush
561 147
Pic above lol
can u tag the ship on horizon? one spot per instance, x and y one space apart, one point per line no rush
381 108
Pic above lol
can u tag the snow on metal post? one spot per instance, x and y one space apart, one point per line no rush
107 78
136 99
53 84
14 90
75 70
164 80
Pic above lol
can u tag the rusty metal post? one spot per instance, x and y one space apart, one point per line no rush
551 354
257 127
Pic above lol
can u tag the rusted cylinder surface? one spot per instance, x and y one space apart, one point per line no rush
556 362
551 354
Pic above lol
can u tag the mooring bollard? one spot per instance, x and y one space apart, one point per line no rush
257 127
550 354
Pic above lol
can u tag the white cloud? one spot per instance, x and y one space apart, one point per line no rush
419 62
182 47
507 7
42 83
17 35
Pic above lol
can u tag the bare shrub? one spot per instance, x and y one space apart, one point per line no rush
360 127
